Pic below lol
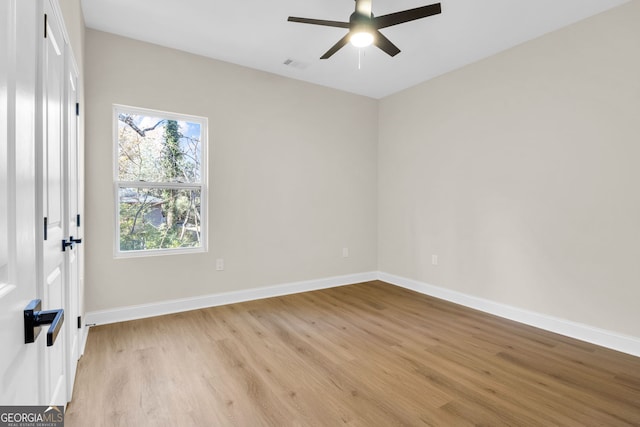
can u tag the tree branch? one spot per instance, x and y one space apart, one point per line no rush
126 118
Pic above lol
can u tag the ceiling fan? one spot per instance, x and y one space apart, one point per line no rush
363 26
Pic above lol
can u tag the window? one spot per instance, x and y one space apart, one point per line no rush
160 182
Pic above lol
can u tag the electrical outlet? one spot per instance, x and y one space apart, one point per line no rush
219 264
434 259
345 252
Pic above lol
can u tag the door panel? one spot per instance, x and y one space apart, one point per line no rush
20 363
53 260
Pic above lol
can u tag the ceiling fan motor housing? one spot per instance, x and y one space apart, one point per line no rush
359 22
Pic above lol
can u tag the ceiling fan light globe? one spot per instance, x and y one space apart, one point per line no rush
361 39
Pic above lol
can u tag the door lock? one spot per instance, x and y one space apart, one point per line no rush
34 318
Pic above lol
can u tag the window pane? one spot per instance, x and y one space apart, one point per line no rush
156 149
159 218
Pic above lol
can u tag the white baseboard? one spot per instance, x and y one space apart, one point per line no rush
133 312
613 340
601 337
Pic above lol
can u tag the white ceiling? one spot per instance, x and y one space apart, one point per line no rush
256 34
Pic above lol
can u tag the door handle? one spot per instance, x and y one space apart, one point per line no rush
34 318
70 243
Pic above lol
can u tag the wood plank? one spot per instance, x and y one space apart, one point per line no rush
362 355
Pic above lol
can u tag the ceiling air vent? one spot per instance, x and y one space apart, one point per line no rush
295 64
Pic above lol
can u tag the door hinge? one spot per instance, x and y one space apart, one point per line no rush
45 25
45 228
78 220
79 322
77 108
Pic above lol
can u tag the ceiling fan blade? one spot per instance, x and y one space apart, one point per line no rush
319 22
385 21
363 7
385 44
336 47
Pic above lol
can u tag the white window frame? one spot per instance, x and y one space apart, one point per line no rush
202 186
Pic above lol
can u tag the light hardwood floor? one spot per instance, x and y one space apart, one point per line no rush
370 354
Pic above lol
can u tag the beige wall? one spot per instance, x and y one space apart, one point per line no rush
522 173
292 175
519 172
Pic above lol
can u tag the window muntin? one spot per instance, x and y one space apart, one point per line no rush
160 182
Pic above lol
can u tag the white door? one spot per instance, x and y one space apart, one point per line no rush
73 222
20 363
51 166
33 217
